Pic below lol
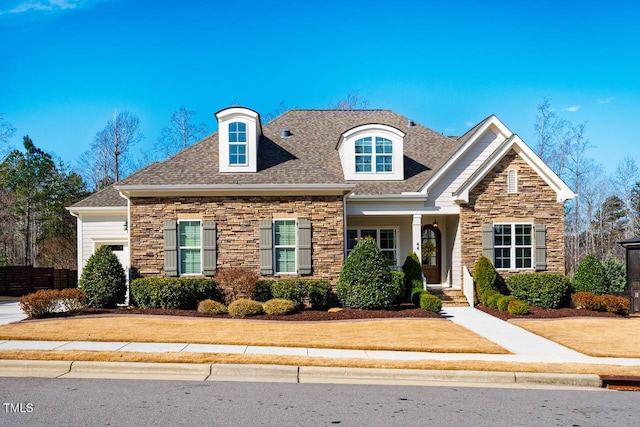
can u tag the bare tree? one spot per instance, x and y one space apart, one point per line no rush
625 179
554 137
353 101
180 133
6 132
281 108
108 159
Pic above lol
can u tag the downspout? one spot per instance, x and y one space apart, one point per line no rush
344 226
128 224
79 239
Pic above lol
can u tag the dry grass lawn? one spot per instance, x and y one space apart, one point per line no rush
318 361
426 335
601 337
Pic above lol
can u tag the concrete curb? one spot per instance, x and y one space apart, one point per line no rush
140 370
260 373
284 373
34 368
313 374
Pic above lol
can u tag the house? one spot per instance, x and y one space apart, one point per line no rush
292 198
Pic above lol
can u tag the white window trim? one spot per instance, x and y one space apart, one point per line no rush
512 187
180 248
295 246
377 228
512 247
245 144
373 155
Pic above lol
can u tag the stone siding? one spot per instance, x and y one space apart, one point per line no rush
238 225
535 202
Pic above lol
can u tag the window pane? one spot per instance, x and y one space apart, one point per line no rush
384 164
502 257
523 235
502 235
523 257
233 127
387 239
383 146
285 233
363 146
363 163
390 256
369 233
190 261
190 233
352 239
285 260
242 127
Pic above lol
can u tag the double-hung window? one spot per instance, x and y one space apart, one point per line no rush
513 246
386 239
366 157
384 155
237 143
284 245
190 247
363 154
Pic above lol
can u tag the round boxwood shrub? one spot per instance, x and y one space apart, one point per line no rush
245 307
503 303
492 300
365 280
430 302
279 306
547 290
590 276
518 307
103 279
415 295
209 306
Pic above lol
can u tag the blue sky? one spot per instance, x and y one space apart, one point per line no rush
66 65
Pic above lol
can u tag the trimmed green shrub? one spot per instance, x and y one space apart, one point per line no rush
492 300
547 290
590 276
518 307
417 283
415 296
295 290
616 272
412 273
365 280
484 278
279 307
430 302
182 293
245 307
503 303
263 290
103 279
320 293
399 284
313 291
209 306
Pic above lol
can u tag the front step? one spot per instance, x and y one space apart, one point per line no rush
450 297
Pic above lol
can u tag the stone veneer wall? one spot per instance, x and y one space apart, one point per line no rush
535 202
238 225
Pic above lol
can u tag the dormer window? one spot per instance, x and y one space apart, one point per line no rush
239 132
237 143
372 152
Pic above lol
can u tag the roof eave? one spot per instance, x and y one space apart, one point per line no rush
234 189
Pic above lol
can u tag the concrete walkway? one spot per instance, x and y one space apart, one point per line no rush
10 311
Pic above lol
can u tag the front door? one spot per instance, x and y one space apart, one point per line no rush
431 253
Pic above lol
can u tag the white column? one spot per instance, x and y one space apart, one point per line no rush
416 233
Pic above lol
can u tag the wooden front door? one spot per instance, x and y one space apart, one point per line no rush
431 256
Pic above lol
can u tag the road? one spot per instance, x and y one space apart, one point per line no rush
40 402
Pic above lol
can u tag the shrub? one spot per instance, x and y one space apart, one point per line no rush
484 277
279 307
103 279
503 303
245 307
616 272
313 291
430 302
415 296
586 301
295 290
237 283
518 307
263 290
590 276
547 290
399 285
209 306
412 273
365 280
492 300
49 301
615 304
320 293
181 293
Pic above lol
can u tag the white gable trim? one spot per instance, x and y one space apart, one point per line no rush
514 142
491 122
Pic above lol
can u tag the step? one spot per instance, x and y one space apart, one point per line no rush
450 297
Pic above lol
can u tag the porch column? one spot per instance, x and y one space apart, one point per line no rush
416 233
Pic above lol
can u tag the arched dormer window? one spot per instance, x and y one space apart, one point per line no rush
512 181
372 152
237 143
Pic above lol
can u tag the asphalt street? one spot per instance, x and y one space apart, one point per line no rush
47 402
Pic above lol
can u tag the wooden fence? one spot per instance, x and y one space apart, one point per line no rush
16 281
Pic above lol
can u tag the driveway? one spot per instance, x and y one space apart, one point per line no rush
10 310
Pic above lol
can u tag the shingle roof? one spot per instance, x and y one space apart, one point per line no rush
108 196
308 156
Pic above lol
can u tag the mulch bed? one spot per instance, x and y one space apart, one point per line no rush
546 313
400 311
